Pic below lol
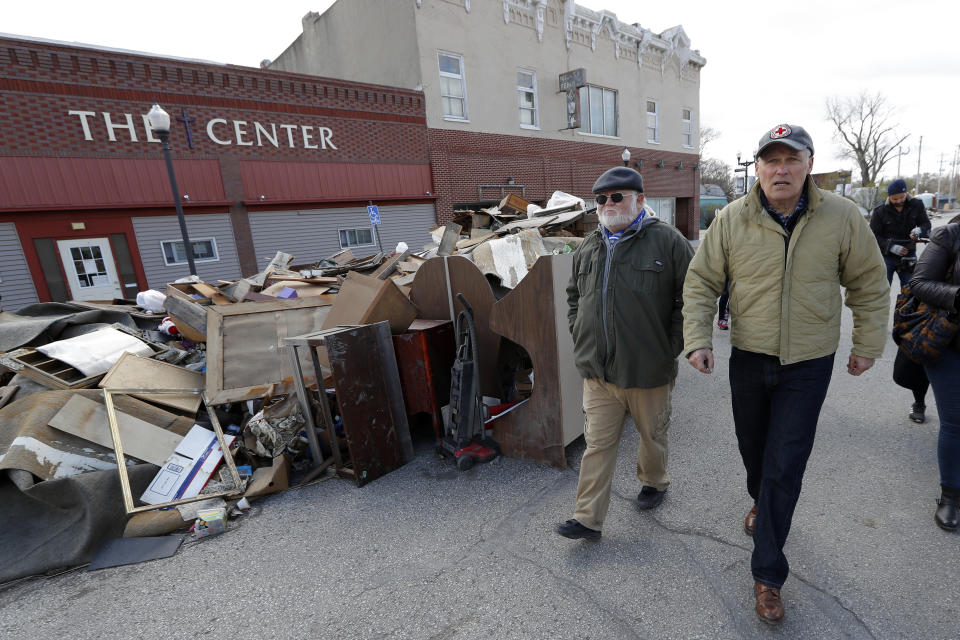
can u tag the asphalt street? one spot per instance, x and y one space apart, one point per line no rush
431 552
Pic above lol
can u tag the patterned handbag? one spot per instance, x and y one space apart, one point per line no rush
922 331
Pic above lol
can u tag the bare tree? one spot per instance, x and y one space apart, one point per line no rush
864 126
713 171
707 135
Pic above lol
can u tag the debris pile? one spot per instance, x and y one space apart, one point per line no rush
216 393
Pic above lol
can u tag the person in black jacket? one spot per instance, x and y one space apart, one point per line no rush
936 281
898 224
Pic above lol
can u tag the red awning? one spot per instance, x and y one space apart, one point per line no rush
332 181
30 183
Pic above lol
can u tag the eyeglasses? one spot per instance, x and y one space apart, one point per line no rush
616 197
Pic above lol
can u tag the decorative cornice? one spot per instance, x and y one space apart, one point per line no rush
671 44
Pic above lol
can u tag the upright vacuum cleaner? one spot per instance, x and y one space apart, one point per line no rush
463 436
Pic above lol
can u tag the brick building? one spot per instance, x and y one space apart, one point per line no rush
525 96
265 161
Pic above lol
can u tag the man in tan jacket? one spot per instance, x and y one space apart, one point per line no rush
787 248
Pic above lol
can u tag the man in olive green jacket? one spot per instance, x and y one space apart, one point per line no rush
787 248
627 325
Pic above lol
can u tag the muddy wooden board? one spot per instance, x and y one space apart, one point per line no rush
371 406
246 355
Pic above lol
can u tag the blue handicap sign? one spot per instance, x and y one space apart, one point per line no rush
374 215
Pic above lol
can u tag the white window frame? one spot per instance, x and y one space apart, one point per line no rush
462 77
585 112
686 128
656 120
521 90
373 237
213 245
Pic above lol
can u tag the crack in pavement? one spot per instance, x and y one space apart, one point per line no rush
836 599
716 538
626 629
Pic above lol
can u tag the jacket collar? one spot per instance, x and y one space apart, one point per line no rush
756 211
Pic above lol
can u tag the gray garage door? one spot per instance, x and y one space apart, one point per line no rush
213 230
313 234
16 285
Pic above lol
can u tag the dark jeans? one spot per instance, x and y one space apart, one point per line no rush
944 377
775 411
893 264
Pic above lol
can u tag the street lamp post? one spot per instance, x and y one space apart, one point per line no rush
160 123
625 156
744 168
842 176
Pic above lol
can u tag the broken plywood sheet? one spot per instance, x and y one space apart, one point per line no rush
365 300
133 372
510 258
87 419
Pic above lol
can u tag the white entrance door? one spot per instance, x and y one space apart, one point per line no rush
91 272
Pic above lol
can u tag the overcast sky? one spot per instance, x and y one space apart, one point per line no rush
767 62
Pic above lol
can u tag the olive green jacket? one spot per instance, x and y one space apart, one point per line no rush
639 284
785 290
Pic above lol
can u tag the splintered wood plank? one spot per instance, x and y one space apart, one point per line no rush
390 265
211 292
451 233
87 419
488 235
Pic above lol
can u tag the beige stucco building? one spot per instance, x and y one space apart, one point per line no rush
490 72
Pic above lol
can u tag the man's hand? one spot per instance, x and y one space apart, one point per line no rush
702 360
858 364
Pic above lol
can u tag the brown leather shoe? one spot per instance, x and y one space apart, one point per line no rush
750 522
769 604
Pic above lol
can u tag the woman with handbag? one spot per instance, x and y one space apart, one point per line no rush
936 281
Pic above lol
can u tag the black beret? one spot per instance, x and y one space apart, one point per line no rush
619 178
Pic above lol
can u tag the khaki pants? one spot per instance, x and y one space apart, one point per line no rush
605 407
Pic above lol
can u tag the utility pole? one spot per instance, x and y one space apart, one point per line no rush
956 153
900 154
919 149
939 176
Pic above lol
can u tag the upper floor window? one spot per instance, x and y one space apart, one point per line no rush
653 126
686 128
204 250
598 110
527 95
453 86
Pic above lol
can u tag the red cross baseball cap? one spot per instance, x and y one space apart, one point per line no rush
791 135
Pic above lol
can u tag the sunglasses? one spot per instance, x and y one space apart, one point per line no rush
615 197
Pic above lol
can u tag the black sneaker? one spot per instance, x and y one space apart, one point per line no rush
917 412
649 498
574 530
